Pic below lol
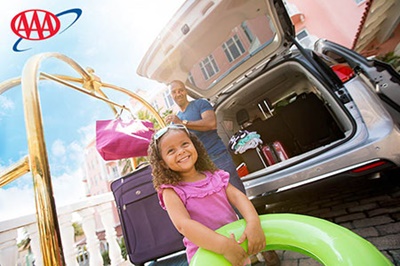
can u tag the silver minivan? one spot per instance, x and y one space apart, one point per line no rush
320 114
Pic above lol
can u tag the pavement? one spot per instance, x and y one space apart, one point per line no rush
367 207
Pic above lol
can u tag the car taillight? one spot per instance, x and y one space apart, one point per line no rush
344 72
368 167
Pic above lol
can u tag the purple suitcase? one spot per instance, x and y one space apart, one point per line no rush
148 232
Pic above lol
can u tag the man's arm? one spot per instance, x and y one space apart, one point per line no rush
207 122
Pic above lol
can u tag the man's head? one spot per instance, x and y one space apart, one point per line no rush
178 93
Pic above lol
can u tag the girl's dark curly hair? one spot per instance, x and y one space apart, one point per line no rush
164 175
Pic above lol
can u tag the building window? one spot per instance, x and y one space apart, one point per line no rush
233 48
302 34
169 102
209 67
115 172
305 39
247 31
191 79
155 105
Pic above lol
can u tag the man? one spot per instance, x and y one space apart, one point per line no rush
199 117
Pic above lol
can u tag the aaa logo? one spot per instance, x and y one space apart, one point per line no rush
38 24
35 24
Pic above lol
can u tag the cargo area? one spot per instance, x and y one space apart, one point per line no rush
290 111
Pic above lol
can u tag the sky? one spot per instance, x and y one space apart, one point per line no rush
110 37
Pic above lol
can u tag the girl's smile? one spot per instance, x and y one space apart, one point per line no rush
184 159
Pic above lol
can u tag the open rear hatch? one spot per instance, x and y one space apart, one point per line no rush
199 28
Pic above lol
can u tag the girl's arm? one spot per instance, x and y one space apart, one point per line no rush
199 234
253 232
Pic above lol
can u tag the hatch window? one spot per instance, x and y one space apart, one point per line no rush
209 67
233 48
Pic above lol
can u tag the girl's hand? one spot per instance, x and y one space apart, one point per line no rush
234 253
255 236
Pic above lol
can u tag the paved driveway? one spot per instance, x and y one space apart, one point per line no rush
368 207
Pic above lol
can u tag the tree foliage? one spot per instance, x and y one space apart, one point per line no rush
392 59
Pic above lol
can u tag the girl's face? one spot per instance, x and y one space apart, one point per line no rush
178 151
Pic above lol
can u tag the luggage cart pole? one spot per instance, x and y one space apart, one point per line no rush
37 162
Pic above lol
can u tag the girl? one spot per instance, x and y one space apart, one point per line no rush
198 196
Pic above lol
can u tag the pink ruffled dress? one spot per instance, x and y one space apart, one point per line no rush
206 201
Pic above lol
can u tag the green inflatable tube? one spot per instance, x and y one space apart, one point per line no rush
326 242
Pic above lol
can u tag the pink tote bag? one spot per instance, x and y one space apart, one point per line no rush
118 139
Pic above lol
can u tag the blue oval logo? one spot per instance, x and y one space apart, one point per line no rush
37 25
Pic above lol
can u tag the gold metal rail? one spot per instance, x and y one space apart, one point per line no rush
37 161
14 171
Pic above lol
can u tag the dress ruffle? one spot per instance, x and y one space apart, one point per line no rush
213 183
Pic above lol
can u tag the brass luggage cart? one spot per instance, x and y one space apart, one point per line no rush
36 161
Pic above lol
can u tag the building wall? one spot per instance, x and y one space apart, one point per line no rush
337 20
98 176
393 44
95 171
